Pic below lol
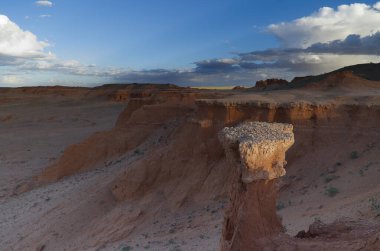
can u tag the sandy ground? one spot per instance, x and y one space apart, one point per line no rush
339 180
37 130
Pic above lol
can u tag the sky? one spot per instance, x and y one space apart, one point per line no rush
189 43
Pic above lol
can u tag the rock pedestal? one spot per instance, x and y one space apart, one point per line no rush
256 151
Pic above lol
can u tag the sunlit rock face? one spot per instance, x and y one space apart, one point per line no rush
259 148
256 151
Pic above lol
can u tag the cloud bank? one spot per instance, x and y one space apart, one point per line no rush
327 25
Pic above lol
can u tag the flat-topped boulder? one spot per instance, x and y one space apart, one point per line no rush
258 148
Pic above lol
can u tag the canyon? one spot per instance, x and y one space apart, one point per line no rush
162 167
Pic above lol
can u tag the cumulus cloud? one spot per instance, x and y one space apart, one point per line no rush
328 24
44 3
16 43
377 6
326 40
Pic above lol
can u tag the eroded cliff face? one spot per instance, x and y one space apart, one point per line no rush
186 163
137 125
149 107
256 151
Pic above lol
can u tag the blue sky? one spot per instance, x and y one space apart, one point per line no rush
216 42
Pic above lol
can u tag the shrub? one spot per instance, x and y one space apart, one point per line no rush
375 204
126 248
354 155
317 219
280 205
332 191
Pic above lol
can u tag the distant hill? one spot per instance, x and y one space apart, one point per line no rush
369 72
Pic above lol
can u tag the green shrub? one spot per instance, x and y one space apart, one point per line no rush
375 204
354 155
126 248
332 191
280 205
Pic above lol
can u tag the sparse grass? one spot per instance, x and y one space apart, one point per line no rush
332 191
138 152
317 219
126 248
354 155
204 237
176 248
375 204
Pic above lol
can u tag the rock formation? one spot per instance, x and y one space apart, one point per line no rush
256 151
271 83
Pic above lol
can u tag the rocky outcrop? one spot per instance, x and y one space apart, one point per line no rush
271 83
256 151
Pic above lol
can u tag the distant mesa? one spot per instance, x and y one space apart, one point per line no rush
267 84
271 83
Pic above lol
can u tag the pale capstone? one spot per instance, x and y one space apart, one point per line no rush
259 147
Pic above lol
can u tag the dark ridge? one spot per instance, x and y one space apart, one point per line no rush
369 71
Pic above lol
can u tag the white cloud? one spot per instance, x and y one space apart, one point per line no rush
15 42
328 24
45 16
44 3
10 79
377 6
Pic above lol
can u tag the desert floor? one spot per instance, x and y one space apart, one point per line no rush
338 177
